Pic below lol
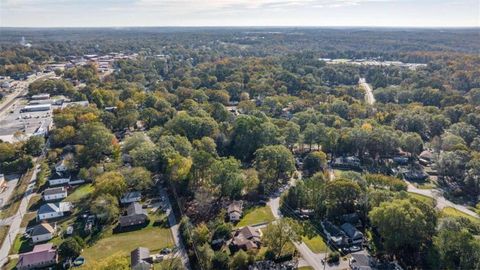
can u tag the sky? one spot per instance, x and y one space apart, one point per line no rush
118 13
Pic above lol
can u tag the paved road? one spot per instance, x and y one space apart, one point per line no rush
11 181
369 98
441 201
174 227
16 220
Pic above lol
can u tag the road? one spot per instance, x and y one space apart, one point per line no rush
16 220
441 201
369 98
174 227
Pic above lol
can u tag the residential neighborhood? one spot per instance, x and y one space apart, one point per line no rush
243 149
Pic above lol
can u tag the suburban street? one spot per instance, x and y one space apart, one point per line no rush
16 220
174 227
442 202
369 98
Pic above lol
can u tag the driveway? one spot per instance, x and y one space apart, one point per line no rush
369 98
441 201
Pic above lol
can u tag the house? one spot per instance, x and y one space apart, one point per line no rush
53 210
63 165
235 211
136 215
59 178
246 238
53 194
351 162
354 235
41 256
131 197
415 175
42 232
334 234
140 259
425 158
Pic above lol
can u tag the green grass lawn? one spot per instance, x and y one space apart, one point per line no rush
80 193
3 233
452 212
316 244
305 268
422 198
154 238
255 216
11 264
21 245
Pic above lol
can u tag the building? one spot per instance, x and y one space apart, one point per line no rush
41 256
76 103
136 215
235 211
64 164
37 108
42 232
54 210
355 237
131 197
351 163
140 259
53 194
59 179
334 234
246 238
40 97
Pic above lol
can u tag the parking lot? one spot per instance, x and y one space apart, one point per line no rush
27 122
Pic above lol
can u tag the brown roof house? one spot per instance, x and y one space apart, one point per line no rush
41 256
140 259
136 215
235 211
246 238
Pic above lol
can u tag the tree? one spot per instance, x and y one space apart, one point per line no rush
412 143
280 233
457 247
138 178
291 133
226 173
314 162
274 163
240 260
98 141
220 260
7 151
403 225
201 234
70 248
111 183
341 196
105 207
205 256
34 145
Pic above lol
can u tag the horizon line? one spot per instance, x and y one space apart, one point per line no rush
245 26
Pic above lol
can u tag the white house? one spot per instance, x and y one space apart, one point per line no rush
42 232
59 179
131 197
53 210
53 194
235 211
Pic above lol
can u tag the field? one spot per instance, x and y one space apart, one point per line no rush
316 244
154 238
422 198
255 216
79 193
452 212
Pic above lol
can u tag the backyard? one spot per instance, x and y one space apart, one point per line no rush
255 216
